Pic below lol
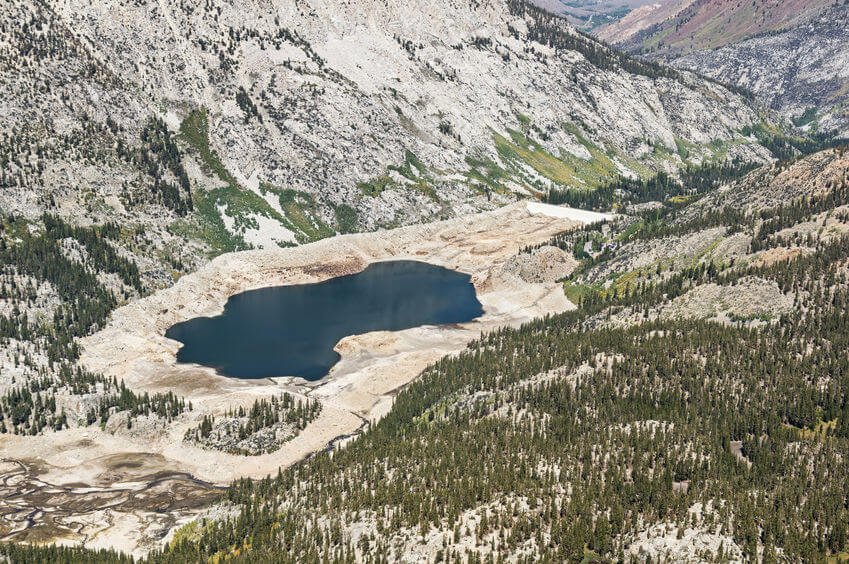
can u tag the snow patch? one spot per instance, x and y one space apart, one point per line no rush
574 214
270 233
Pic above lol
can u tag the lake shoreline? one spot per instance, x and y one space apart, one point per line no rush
358 390
292 330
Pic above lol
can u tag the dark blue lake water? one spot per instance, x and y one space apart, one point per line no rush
291 330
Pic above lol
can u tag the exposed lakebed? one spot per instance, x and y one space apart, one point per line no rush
291 330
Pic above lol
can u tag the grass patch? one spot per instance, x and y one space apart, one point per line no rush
195 131
207 225
190 532
346 218
710 248
819 431
487 173
15 227
374 187
576 292
520 152
301 213
683 200
622 282
239 204
806 117
242 206
416 171
631 230
412 169
524 120
683 148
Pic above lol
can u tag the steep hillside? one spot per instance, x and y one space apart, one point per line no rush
592 14
792 54
676 27
287 123
650 16
802 71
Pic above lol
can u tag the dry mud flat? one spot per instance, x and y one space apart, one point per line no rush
359 388
123 496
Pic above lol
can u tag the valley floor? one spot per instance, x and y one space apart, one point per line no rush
83 464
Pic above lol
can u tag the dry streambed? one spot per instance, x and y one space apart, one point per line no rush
137 496
127 487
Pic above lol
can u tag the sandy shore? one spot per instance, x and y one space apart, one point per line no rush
359 388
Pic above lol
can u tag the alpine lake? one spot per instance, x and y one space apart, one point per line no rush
291 330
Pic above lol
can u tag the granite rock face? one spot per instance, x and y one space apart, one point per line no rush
798 70
792 54
290 122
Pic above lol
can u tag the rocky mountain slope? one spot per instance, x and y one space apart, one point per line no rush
802 70
643 17
791 53
676 27
249 123
592 14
